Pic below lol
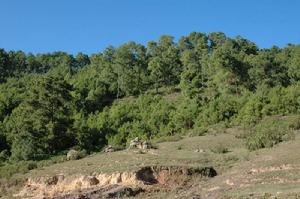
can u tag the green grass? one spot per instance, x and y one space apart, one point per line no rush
166 154
225 152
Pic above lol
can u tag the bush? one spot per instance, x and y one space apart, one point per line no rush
284 100
145 117
75 155
220 148
268 133
294 122
269 101
183 118
87 136
222 109
4 155
251 112
24 148
10 169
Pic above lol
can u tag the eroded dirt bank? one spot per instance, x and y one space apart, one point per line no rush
116 184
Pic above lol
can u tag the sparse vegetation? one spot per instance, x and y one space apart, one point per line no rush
268 133
220 148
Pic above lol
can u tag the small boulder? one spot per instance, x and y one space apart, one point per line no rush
135 143
139 144
92 180
146 145
75 155
199 151
119 192
109 149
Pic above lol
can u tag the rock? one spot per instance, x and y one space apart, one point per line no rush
199 151
81 197
137 139
119 192
146 145
140 144
52 180
92 180
75 155
109 149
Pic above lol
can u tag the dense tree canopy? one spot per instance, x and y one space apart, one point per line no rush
55 101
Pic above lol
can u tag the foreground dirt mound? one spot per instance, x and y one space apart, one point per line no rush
110 185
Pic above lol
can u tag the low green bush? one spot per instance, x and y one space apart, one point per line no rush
222 109
294 122
9 169
268 133
75 155
220 148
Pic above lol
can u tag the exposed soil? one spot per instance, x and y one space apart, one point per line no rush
112 185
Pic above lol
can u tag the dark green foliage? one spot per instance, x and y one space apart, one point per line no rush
41 124
82 60
4 65
270 101
4 155
183 118
130 66
52 102
222 109
164 62
268 133
252 111
146 117
194 53
87 136
8 170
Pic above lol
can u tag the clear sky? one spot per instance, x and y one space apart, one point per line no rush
91 25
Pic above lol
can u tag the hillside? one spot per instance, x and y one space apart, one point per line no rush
239 173
224 100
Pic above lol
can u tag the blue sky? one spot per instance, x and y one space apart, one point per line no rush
91 25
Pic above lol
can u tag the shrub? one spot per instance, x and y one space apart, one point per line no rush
24 148
269 101
183 118
10 169
4 155
294 122
252 111
179 147
145 117
268 133
220 148
283 100
222 109
87 136
75 155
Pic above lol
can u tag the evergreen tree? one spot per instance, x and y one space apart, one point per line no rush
43 119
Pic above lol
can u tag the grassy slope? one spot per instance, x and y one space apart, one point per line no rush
181 153
274 171
240 173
